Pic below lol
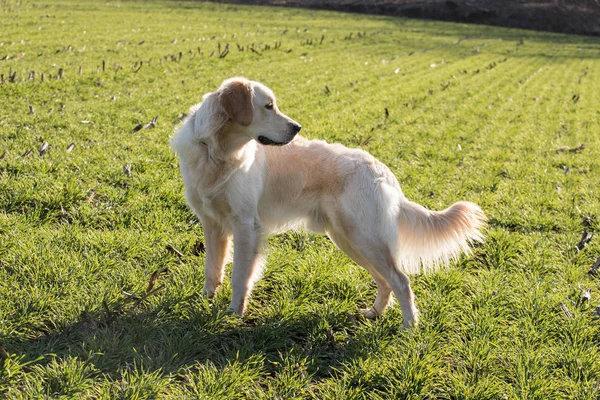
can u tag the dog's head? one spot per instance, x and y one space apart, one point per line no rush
246 108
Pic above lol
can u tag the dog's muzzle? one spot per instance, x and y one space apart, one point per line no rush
294 128
268 142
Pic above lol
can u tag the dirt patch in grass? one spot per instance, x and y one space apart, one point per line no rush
566 16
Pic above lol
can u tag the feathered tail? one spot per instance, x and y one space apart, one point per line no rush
428 239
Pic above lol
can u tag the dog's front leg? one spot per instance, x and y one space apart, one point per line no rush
247 238
218 243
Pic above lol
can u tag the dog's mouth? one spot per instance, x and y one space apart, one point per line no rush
268 142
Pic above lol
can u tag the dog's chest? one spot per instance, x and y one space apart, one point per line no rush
206 190
218 209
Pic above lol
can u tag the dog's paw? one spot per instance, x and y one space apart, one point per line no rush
410 319
410 324
209 290
369 313
232 313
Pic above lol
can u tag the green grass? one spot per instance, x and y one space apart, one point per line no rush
475 113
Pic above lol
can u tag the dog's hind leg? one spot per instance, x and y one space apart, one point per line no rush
378 254
218 245
384 291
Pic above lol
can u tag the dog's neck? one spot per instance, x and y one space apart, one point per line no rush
228 145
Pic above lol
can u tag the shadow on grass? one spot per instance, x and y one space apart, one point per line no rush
575 16
452 26
171 336
526 43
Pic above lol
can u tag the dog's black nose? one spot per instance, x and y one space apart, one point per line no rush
296 127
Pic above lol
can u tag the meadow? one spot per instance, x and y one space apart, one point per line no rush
101 261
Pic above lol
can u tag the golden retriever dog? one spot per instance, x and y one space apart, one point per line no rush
248 173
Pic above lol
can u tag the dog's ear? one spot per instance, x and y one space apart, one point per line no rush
208 117
235 98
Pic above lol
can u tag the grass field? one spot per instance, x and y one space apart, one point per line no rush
101 260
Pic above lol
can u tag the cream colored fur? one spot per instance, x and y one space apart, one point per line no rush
242 190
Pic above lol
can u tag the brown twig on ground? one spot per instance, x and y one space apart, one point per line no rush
152 123
566 311
595 267
154 278
586 237
570 149
136 128
130 301
3 353
198 248
175 251
586 296
43 148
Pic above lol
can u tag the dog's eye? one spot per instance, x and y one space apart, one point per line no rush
269 106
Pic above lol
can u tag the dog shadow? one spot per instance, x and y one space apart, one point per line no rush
172 337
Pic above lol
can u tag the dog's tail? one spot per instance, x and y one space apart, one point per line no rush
427 239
